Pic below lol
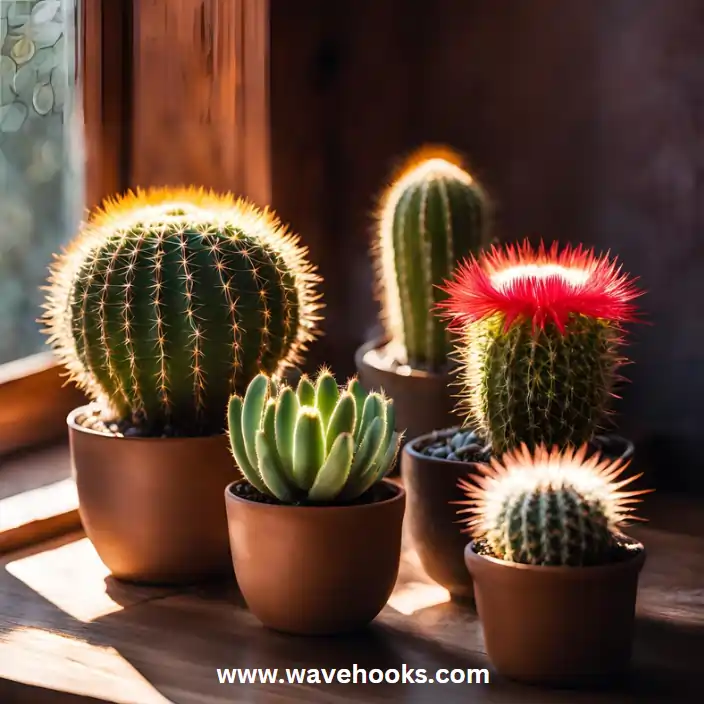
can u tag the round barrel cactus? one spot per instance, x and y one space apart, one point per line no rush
549 507
316 443
432 216
541 341
169 301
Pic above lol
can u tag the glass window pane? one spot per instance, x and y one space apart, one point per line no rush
41 180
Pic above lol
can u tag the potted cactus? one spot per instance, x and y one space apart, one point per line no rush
432 216
166 303
315 529
555 578
541 336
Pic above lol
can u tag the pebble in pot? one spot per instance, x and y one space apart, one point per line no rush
315 528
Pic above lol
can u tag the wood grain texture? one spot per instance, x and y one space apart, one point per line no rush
66 627
200 90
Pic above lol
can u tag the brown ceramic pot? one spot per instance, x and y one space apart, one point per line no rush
557 626
152 507
316 570
423 401
431 516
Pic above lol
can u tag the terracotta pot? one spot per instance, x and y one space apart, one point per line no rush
557 626
313 570
152 507
432 518
423 401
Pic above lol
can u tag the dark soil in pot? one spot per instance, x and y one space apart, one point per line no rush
152 506
423 400
558 626
316 570
430 471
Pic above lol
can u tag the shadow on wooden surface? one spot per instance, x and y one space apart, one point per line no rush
17 693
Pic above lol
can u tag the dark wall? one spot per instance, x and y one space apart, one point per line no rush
585 121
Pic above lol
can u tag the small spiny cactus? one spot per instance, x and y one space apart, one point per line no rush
541 338
168 301
433 215
316 443
549 507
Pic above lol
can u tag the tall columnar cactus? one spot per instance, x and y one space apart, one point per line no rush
168 301
541 342
313 444
433 215
549 507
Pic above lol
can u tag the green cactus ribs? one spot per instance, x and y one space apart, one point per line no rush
315 444
164 310
433 215
545 507
540 386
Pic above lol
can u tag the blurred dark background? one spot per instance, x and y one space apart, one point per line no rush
583 119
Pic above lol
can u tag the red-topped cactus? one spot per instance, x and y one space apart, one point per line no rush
542 338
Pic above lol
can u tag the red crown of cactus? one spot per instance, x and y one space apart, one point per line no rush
542 285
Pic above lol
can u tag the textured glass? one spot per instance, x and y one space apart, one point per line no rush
41 180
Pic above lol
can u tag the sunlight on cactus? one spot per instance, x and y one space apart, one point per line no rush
549 507
433 215
316 443
541 342
170 300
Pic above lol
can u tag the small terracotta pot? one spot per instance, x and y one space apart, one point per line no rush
423 401
557 626
433 523
316 570
432 519
152 507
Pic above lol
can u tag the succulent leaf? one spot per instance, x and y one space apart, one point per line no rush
335 471
239 450
343 418
285 421
306 392
252 411
271 471
308 447
326 396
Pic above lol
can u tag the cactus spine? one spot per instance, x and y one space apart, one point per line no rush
433 215
549 508
314 444
541 342
169 301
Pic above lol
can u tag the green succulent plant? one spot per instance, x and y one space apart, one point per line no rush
432 216
316 443
556 507
169 301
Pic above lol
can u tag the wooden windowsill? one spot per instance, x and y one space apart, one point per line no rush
70 630
37 497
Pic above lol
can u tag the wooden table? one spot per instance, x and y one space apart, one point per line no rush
69 633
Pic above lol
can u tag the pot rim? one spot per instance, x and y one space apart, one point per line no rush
400 495
88 407
410 448
411 445
577 572
379 342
